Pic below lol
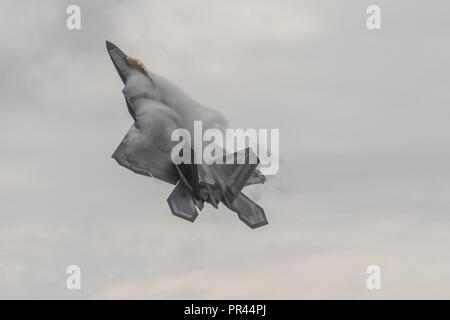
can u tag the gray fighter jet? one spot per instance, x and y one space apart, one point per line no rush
158 107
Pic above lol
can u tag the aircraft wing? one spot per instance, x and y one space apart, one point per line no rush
141 154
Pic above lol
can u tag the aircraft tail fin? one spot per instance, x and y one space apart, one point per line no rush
256 178
239 173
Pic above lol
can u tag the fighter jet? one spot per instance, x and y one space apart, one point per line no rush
158 107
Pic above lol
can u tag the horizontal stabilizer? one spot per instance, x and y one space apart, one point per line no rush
248 211
181 203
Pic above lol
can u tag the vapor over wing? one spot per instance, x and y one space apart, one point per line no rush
147 146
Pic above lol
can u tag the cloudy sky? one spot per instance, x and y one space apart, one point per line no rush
363 118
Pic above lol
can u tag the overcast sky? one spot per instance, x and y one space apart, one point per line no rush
364 128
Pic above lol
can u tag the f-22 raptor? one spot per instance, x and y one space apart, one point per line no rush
158 107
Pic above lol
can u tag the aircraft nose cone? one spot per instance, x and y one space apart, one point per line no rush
114 51
110 46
